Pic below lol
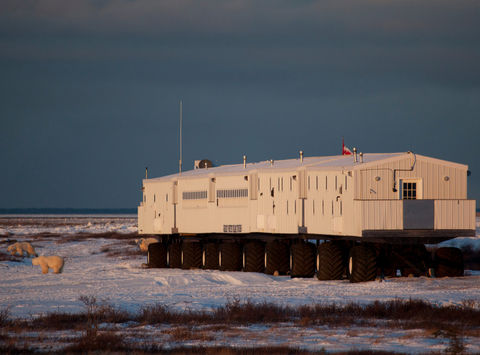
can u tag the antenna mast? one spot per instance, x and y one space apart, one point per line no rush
180 160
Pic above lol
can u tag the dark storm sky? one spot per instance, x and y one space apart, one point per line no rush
90 89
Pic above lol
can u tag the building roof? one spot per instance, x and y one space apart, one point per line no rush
334 162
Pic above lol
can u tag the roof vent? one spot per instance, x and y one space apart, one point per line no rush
361 157
354 155
301 156
271 162
203 164
244 161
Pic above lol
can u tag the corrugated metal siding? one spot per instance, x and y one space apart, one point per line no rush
384 214
454 214
388 214
433 175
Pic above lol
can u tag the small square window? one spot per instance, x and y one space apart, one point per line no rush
409 190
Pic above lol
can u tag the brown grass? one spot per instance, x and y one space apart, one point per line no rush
449 322
189 333
400 313
108 235
106 341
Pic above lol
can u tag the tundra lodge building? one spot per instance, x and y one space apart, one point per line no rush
389 199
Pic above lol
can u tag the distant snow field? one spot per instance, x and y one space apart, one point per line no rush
120 280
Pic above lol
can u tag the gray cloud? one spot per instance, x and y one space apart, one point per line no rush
90 89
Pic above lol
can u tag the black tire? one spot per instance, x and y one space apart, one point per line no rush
449 262
415 260
278 258
330 261
192 255
231 257
175 256
362 264
157 255
254 257
303 260
211 256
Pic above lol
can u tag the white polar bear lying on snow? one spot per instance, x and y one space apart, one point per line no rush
143 243
53 262
22 247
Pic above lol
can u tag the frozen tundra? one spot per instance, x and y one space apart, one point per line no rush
356 216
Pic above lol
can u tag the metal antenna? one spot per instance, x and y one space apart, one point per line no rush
180 161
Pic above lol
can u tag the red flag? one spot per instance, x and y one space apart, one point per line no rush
345 150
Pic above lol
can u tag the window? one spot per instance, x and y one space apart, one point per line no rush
309 183
316 182
287 206
326 183
336 187
154 199
409 190
323 207
295 207
313 206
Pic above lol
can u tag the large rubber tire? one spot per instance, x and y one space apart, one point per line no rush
231 257
303 260
416 260
175 256
448 262
278 258
157 255
330 261
362 264
254 257
211 256
192 255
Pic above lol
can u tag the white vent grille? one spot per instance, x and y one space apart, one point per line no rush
233 193
194 195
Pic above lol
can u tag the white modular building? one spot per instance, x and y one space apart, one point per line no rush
377 197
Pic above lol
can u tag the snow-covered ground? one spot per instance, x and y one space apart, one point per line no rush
121 281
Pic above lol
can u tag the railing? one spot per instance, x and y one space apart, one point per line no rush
454 214
379 214
389 214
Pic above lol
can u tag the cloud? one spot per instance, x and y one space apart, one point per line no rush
388 73
371 19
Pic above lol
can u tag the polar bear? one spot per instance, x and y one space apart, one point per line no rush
143 243
22 247
53 262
